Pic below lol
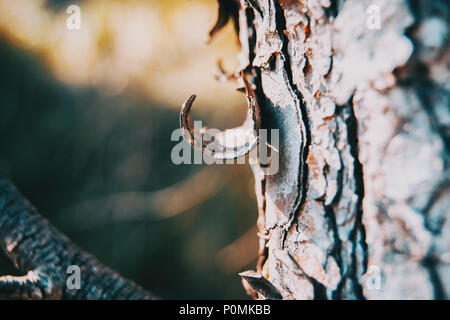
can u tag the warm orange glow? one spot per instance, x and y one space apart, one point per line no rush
156 46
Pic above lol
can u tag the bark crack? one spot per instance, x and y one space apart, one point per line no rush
358 230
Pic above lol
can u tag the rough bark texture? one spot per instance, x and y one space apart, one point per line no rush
364 121
39 250
363 178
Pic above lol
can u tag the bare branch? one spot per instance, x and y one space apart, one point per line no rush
44 253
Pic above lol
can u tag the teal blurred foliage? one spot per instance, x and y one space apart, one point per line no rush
62 146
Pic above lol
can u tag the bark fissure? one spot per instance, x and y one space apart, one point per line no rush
358 230
431 263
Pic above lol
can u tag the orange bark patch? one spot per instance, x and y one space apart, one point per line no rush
329 117
312 164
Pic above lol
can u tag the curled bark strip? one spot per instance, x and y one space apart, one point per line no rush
45 254
228 144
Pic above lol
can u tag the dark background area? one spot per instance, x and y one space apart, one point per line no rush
63 146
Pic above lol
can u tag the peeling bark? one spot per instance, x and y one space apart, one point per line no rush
363 181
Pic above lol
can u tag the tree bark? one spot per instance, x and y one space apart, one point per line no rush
359 206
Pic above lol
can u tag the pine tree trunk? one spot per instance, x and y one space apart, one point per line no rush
359 208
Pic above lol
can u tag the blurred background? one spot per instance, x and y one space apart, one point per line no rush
85 123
